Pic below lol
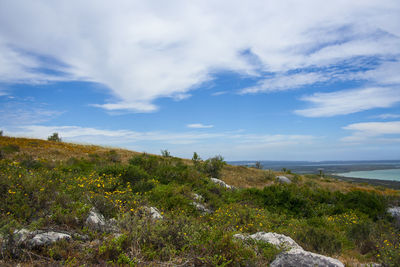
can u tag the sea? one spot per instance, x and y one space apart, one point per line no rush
388 174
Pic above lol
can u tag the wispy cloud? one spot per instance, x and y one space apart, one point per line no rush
349 101
285 82
142 51
366 130
23 111
199 126
386 116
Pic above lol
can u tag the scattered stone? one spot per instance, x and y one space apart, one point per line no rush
20 236
395 212
47 238
221 183
200 207
96 221
278 240
302 258
197 197
154 213
283 179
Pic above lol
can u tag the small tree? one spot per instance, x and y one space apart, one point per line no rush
54 138
258 165
165 153
213 166
196 158
1 133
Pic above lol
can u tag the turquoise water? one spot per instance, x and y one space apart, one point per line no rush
389 174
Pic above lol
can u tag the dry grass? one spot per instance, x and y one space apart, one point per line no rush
245 177
60 151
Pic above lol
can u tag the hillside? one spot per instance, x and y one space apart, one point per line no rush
109 206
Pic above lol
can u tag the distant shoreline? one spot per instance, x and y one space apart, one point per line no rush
376 182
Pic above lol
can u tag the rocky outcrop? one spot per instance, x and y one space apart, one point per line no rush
96 221
293 254
221 183
21 236
154 213
35 239
197 197
47 238
200 207
395 212
283 179
278 240
302 258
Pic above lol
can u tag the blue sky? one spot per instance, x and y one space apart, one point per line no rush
250 80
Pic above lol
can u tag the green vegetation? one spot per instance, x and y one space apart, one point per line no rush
54 137
43 193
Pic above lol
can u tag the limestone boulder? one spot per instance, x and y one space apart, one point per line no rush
47 238
283 179
302 258
221 183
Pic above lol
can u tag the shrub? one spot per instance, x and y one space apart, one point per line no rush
370 204
125 174
10 148
213 166
54 137
165 153
147 162
320 240
113 156
171 196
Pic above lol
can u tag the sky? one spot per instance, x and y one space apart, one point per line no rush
248 80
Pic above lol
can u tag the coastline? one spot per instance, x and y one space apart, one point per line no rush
376 182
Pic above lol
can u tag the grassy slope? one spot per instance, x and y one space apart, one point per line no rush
327 216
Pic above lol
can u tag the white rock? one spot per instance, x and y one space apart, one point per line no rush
197 197
278 240
154 213
96 221
200 207
47 238
20 236
395 212
293 254
301 258
221 183
283 179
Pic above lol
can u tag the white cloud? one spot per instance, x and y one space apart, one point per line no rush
146 50
23 111
349 101
387 116
285 82
199 126
366 130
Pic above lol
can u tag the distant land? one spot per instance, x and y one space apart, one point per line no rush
328 167
378 172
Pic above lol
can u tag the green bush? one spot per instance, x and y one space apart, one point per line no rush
370 204
54 137
171 197
320 240
213 166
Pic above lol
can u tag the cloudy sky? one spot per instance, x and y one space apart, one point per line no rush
250 80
